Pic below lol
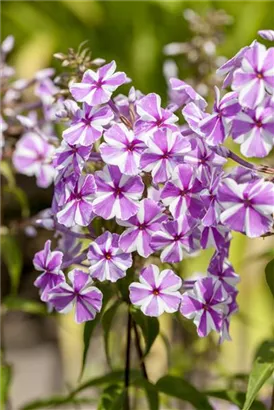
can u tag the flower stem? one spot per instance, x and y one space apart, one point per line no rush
139 351
127 364
246 164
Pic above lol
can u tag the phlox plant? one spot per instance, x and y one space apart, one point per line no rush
139 186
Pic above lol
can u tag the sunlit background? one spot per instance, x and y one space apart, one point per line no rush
46 353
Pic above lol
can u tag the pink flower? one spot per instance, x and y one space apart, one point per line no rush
86 298
97 86
33 156
157 292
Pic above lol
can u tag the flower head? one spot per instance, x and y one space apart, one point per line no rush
165 150
33 156
86 298
254 130
255 77
174 237
108 261
117 194
49 262
205 304
157 292
122 148
77 208
247 207
152 117
87 125
137 236
97 87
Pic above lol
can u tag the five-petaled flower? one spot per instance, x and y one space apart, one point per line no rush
137 236
49 262
117 194
86 298
122 148
157 292
97 87
87 125
77 208
108 260
205 305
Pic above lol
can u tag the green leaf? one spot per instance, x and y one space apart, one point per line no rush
235 397
24 305
151 392
108 395
57 401
269 276
106 323
149 326
21 198
6 171
113 377
5 383
91 325
181 389
262 369
13 259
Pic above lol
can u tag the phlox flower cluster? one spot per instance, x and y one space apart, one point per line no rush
136 181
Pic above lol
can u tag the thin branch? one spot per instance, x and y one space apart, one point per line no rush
127 364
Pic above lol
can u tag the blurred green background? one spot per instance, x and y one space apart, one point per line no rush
134 34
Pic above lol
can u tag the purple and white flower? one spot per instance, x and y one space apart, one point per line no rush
248 207
97 87
220 267
165 150
77 208
152 117
205 305
216 127
33 156
87 125
182 94
49 262
123 149
70 158
230 66
181 194
157 292
108 260
117 194
137 236
86 298
175 237
254 130
267 34
255 77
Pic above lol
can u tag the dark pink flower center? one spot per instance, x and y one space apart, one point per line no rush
142 226
156 292
108 255
247 203
165 155
260 76
177 238
259 124
99 83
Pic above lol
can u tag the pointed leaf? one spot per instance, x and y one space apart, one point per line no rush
106 323
91 325
149 326
5 383
181 389
13 259
24 305
151 393
269 276
262 369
